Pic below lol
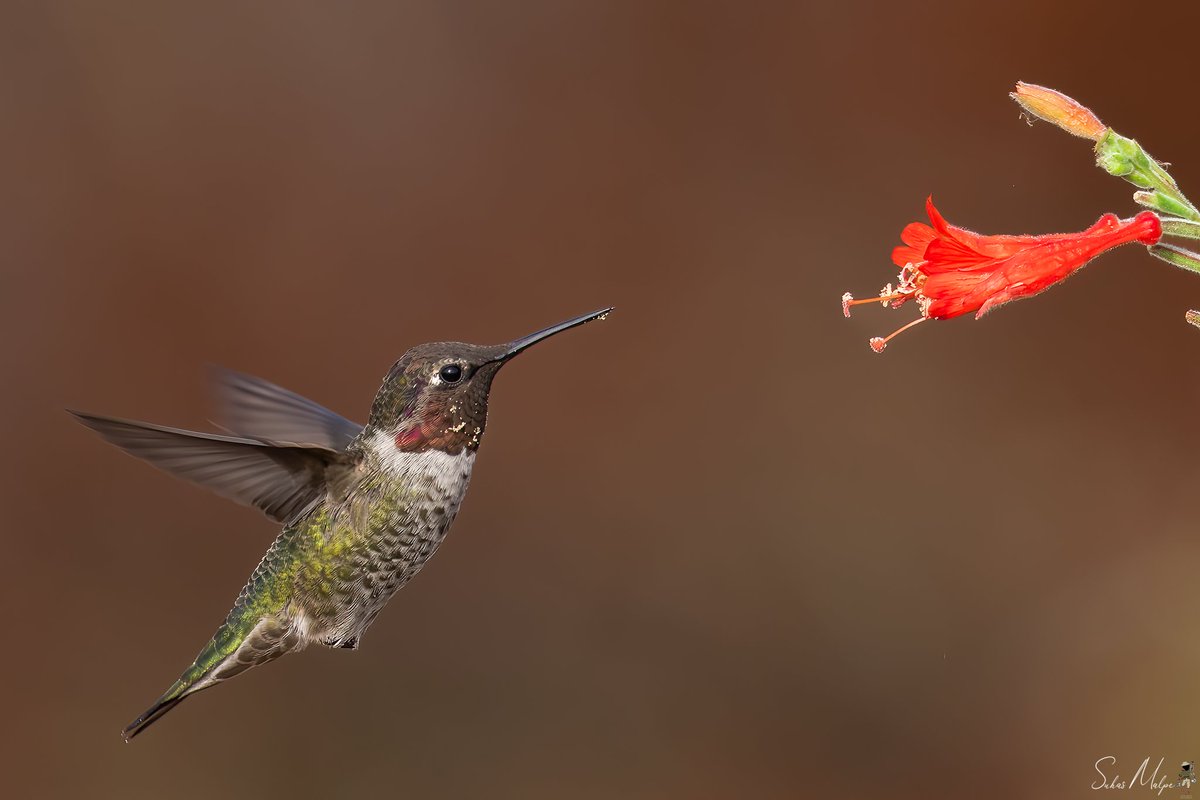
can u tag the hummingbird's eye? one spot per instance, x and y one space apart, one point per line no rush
451 373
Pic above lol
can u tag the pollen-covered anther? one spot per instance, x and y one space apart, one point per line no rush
888 296
878 343
847 301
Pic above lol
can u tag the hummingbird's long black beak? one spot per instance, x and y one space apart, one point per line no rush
528 341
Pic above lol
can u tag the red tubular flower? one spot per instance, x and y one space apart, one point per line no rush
951 271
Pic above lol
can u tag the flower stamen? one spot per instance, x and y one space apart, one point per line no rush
848 300
878 343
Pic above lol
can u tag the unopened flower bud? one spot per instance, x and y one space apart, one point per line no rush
1055 107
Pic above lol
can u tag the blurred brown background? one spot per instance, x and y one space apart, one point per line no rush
715 547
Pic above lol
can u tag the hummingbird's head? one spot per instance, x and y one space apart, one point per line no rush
436 395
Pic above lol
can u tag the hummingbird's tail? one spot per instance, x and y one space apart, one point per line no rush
198 676
173 697
232 651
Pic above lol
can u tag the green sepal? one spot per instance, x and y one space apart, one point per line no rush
1186 228
1123 157
1184 259
1165 204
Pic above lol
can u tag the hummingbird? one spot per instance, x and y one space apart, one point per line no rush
362 507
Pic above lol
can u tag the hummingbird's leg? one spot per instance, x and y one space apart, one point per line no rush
341 644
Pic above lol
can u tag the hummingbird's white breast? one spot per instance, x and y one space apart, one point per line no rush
448 473
411 512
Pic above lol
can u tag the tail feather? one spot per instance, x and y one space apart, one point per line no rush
229 653
173 697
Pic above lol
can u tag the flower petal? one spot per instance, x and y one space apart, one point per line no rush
988 246
946 254
917 236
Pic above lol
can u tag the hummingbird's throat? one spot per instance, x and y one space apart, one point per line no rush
412 440
448 436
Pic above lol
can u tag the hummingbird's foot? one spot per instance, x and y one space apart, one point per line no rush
342 644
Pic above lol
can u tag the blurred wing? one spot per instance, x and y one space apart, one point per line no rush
280 480
260 409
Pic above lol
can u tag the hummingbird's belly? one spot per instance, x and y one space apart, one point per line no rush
399 527
394 559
